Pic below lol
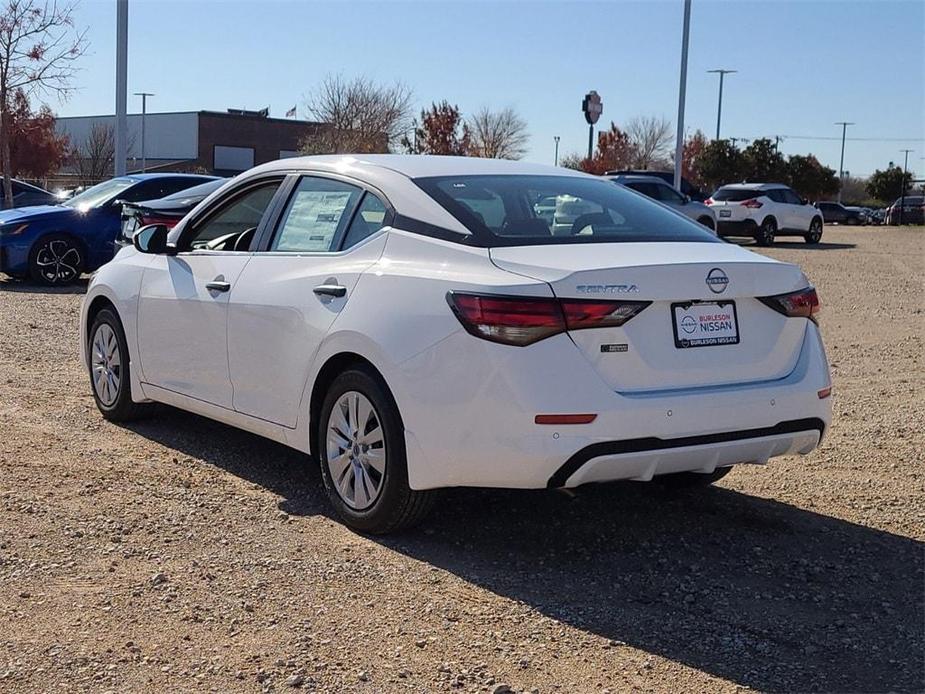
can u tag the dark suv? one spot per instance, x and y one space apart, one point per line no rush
836 213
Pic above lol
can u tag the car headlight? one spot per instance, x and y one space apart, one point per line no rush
12 229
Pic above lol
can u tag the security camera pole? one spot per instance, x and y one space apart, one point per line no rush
841 164
556 161
593 107
719 108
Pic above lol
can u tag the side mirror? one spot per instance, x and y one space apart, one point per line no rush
687 198
804 201
151 239
117 204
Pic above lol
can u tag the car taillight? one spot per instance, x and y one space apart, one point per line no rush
801 304
522 321
751 204
708 201
169 222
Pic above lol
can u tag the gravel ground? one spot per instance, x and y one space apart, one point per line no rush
178 554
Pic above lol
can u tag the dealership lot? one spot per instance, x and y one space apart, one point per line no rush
181 554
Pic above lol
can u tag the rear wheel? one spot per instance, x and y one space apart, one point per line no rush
764 236
56 260
685 480
110 370
707 222
361 448
815 232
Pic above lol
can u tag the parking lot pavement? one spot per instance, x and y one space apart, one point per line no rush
177 554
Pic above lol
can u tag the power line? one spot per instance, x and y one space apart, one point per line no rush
849 139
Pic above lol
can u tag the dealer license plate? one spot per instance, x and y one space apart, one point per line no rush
704 324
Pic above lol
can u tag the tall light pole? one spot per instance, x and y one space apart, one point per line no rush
841 163
682 94
144 112
556 161
902 194
121 134
719 109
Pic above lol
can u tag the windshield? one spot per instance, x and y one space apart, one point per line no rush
527 210
99 194
736 194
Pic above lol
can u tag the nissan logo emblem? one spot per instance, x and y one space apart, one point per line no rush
717 280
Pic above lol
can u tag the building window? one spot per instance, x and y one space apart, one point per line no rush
289 153
233 158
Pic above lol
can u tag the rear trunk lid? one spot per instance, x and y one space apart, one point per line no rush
704 326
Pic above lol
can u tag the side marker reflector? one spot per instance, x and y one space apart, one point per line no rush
824 393
564 418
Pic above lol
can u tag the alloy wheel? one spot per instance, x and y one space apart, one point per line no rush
106 364
356 453
58 262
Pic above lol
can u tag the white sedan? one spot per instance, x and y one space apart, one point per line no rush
420 322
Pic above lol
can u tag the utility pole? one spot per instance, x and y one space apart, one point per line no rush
902 195
841 164
556 160
682 94
719 109
144 112
121 134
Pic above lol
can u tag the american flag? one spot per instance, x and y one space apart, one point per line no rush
290 113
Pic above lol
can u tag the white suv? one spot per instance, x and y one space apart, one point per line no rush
763 211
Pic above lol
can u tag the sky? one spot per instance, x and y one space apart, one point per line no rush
802 65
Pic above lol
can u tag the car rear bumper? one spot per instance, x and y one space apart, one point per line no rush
727 227
471 421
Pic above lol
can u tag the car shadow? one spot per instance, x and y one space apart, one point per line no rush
11 284
798 245
759 592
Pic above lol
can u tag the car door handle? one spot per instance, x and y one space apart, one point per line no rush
218 286
334 290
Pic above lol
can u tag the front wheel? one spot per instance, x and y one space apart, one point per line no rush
764 236
56 260
110 370
815 232
362 454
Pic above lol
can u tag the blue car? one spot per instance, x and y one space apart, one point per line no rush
54 244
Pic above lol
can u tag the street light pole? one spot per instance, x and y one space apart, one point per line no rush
682 93
144 112
121 134
902 195
719 108
841 163
556 138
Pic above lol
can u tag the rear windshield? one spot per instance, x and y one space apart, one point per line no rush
736 194
511 210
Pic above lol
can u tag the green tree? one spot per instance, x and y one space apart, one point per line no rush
720 162
890 184
763 163
809 178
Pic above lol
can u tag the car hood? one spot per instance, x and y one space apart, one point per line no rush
35 213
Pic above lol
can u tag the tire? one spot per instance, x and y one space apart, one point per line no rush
815 232
708 223
687 480
110 369
56 260
366 479
764 235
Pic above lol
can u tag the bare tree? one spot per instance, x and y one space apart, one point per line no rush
93 158
650 137
39 48
361 116
498 134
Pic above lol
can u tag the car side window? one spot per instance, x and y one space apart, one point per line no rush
650 190
316 215
792 198
776 195
241 214
669 195
369 218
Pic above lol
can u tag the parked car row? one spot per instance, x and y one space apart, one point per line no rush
55 243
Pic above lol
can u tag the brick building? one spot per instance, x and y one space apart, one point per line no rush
224 143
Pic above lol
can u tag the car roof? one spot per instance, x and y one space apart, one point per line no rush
415 165
149 176
753 186
630 178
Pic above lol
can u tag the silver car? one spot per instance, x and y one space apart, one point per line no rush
657 189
